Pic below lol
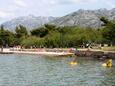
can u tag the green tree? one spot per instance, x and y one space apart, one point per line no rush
108 31
6 37
21 32
40 32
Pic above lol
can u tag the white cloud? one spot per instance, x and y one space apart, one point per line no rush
20 3
52 2
49 2
3 14
6 14
83 1
110 4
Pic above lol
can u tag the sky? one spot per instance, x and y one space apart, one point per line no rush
10 9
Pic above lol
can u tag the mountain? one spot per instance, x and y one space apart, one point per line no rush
85 18
30 22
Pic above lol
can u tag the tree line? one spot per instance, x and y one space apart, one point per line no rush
52 36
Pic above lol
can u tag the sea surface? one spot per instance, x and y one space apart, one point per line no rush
35 70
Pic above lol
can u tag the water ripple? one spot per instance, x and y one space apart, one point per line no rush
33 70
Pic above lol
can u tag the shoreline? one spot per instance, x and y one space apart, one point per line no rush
96 53
28 51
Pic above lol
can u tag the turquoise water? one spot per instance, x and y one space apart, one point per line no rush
34 70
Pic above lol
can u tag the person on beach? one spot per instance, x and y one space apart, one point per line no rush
2 49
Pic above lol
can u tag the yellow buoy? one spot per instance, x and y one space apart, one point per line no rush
108 63
73 63
104 65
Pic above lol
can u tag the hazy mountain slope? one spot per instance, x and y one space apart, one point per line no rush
30 22
85 18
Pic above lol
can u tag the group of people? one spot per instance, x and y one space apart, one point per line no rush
108 63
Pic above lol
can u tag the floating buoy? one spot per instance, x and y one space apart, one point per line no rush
73 63
108 63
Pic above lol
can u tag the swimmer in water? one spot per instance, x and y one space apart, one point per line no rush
74 62
108 63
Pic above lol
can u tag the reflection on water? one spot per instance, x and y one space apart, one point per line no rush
33 70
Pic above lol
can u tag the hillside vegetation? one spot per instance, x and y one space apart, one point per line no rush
56 36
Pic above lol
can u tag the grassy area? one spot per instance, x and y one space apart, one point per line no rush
109 48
